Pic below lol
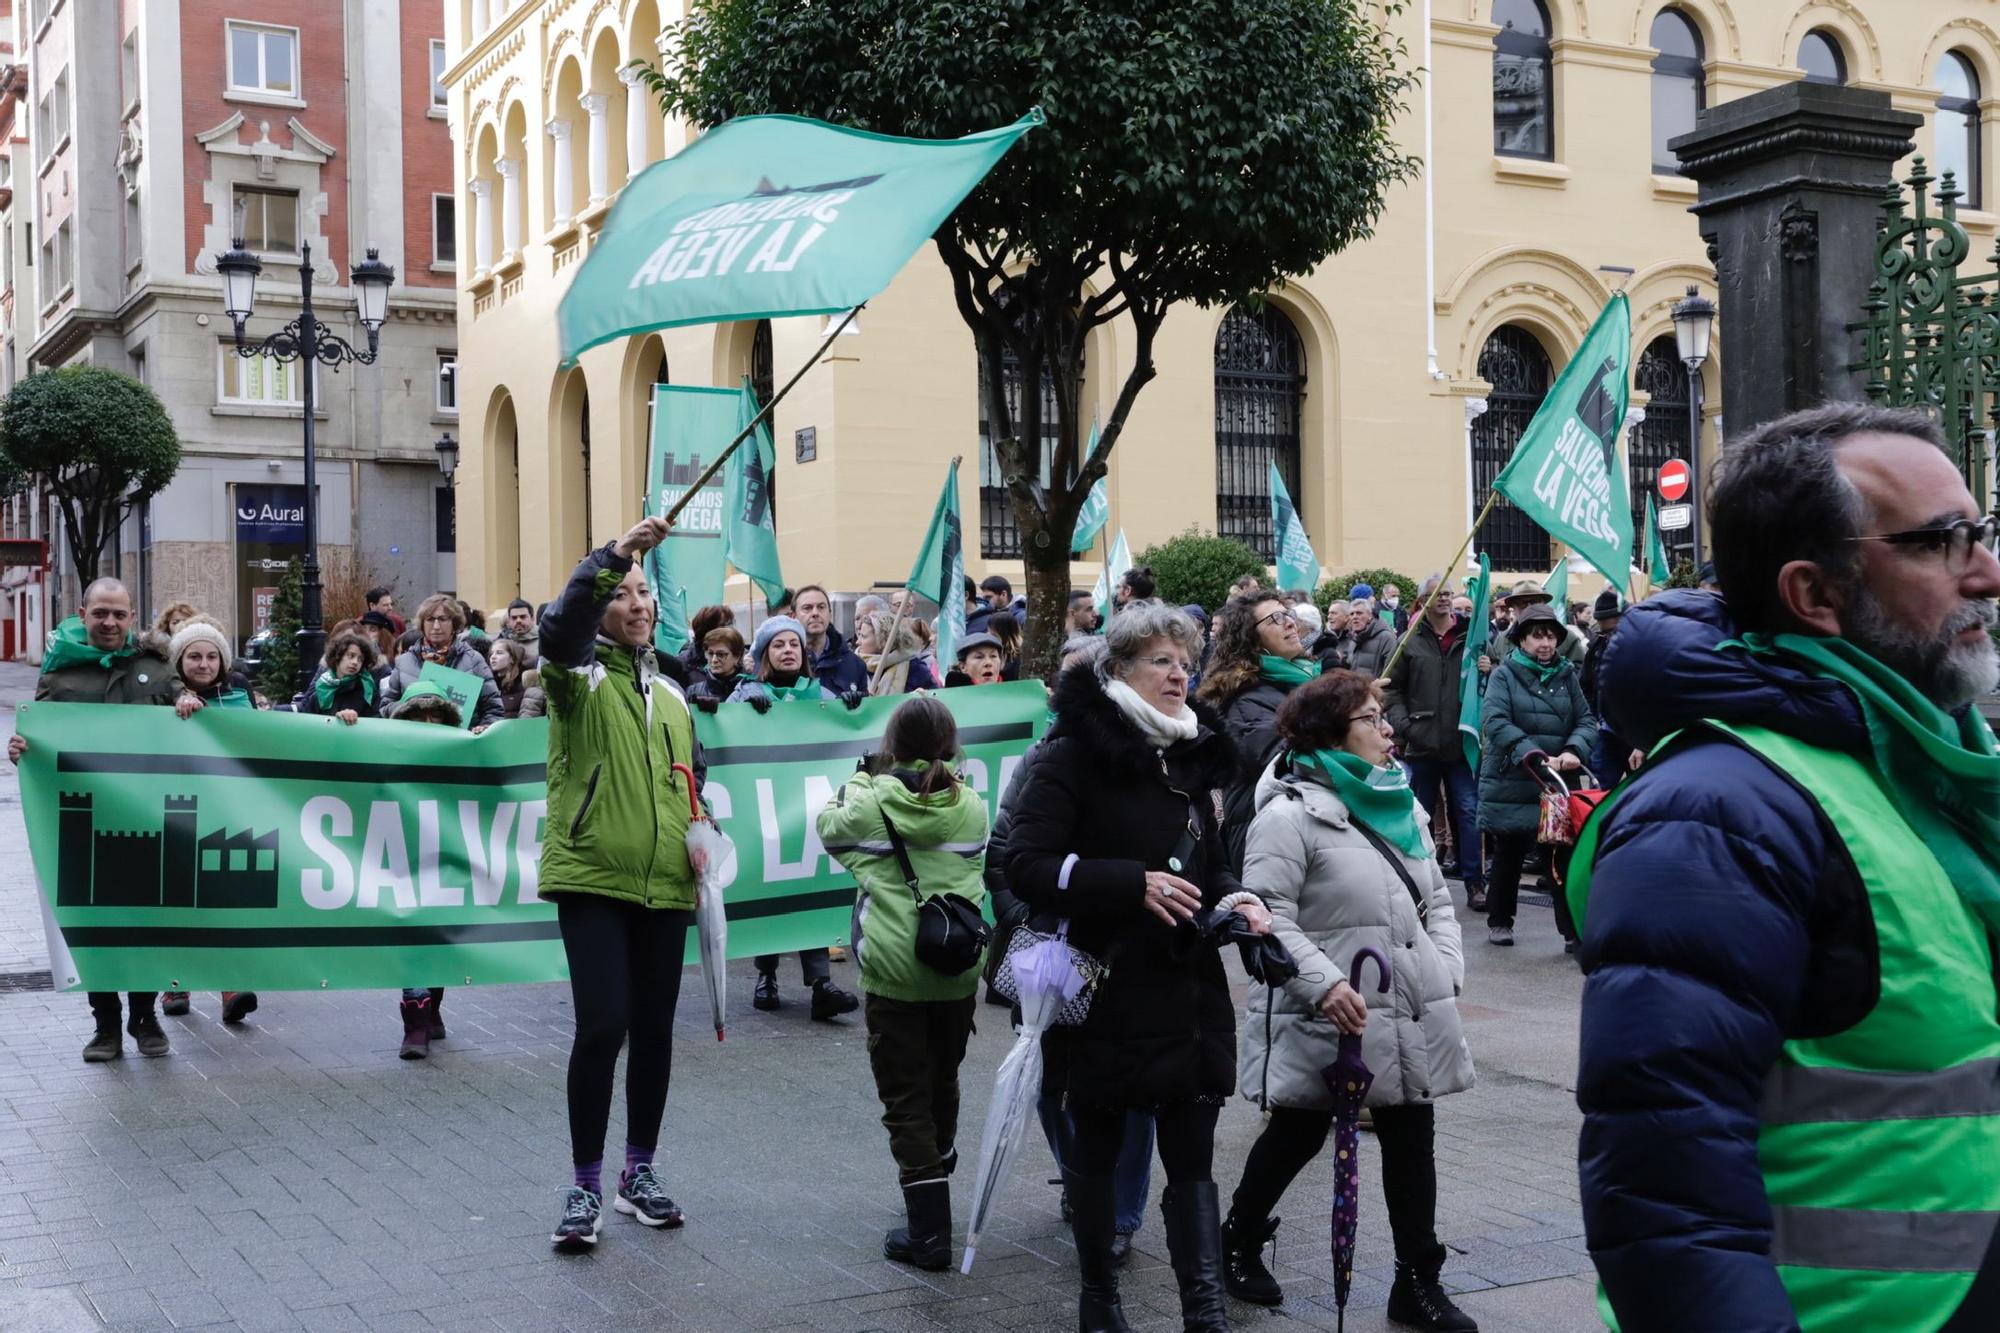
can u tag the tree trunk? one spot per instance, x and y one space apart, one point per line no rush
1048 604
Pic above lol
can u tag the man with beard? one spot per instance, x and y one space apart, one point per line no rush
1790 1064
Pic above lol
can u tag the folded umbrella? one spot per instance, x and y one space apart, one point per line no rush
711 924
1348 1078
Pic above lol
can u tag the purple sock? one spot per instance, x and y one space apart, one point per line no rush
634 1159
590 1176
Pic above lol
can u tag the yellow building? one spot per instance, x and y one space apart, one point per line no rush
1390 385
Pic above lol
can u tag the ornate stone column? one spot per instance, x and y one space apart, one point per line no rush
564 190
638 108
598 107
482 226
510 206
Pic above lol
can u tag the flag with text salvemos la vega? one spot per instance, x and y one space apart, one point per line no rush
1566 474
770 215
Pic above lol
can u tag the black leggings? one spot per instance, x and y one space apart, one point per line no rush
1185 1132
1409 1169
624 977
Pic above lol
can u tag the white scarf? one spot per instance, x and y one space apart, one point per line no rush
1159 730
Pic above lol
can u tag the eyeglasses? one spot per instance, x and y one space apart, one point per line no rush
1168 665
1278 618
1374 719
1954 541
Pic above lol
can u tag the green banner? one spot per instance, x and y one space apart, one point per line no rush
281 851
1298 567
1096 507
1556 585
1470 682
1105 593
1565 473
1658 568
939 572
461 687
770 215
690 427
750 529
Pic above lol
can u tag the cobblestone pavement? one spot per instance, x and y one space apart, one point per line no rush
292 1173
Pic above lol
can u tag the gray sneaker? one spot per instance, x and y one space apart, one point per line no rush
641 1195
1501 935
582 1219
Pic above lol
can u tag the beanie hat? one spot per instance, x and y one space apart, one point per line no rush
1196 612
1359 591
199 629
1608 604
772 627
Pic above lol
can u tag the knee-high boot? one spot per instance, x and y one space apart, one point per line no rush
1193 1215
1092 1216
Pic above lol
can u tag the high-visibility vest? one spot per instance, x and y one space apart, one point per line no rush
1880 1145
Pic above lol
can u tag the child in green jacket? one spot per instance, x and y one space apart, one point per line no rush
918 1019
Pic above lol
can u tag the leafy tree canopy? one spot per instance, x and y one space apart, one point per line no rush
1198 567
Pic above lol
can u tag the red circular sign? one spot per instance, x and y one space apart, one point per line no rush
1673 480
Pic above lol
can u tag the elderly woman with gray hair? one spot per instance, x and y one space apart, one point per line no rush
1118 830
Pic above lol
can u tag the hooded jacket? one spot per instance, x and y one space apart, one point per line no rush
1100 808
76 671
462 656
945 836
1331 894
1725 919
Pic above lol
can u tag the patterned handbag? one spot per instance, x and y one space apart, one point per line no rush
1077 1007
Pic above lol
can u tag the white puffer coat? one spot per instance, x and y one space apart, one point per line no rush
1332 893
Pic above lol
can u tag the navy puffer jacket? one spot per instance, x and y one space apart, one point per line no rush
1722 921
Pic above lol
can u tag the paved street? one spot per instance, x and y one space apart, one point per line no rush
293 1173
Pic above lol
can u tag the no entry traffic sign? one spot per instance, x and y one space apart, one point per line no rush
1673 479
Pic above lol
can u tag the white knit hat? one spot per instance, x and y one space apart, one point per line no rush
200 629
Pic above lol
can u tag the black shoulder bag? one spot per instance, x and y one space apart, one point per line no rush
951 934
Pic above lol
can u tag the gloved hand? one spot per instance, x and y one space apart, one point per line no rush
707 703
760 702
852 698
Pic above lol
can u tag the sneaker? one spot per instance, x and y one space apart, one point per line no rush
108 1044
830 1002
145 1030
174 1003
641 1195
1475 898
765 997
238 1005
1502 936
582 1219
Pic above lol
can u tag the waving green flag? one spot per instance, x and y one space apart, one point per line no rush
1566 474
769 215
1096 507
1115 565
1658 567
939 573
1556 585
1298 567
750 534
1476 634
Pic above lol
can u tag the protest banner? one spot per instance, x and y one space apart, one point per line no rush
461 687
280 851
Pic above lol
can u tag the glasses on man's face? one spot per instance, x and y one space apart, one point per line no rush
1373 719
1278 618
1166 666
1951 542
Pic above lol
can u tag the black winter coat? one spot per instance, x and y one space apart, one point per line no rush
1251 721
1421 698
1163 1026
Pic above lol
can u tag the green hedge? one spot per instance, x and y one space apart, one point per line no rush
1199 566
1335 588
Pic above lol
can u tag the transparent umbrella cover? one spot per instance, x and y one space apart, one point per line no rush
1047 981
711 924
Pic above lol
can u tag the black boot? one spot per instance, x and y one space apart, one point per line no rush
437 1013
1092 1220
1416 1298
1243 1271
1193 1214
925 1242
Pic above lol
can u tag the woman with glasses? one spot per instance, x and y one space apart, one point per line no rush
1117 830
440 627
1258 659
1342 855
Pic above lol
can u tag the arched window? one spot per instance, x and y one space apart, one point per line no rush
999 534
1514 363
1260 391
1524 87
1821 58
1679 86
1666 432
1958 125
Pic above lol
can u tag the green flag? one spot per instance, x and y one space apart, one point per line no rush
1096 507
1657 567
1476 634
1556 585
769 215
1115 565
1566 474
690 427
461 687
1298 567
750 533
939 573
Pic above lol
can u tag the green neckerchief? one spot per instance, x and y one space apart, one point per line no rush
327 686
231 699
1943 772
1290 674
69 645
804 688
1545 673
1379 797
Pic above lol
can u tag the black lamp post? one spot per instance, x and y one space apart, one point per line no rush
306 340
1694 322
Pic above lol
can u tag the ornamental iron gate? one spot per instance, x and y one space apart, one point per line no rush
1260 389
1514 363
1661 374
1930 338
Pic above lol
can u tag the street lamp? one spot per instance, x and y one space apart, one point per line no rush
447 452
1694 321
306 340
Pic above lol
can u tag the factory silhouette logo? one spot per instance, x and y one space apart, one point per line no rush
170 868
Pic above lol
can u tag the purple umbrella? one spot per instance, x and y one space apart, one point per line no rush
1348 1079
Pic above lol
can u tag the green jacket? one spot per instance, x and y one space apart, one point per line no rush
945 834
618 814
76 672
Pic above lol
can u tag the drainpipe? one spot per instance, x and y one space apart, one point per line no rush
1430 215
